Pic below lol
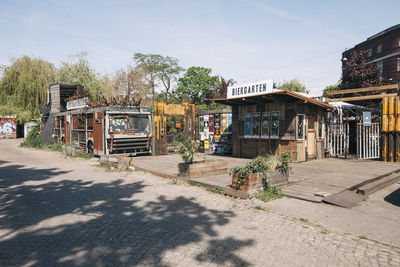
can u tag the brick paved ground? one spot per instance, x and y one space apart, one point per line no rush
56 211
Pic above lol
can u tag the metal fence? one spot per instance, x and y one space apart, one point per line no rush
338 139
368 139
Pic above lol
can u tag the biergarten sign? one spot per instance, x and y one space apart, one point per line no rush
250 89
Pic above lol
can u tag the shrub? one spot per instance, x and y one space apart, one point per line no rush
34 139
188 149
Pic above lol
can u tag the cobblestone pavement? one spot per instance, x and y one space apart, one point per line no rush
57 211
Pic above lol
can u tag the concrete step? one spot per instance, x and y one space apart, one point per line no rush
374 186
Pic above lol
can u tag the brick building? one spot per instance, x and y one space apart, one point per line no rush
383 50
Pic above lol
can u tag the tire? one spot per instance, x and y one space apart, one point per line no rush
90 147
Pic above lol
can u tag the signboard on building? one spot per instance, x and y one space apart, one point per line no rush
77 103
250 89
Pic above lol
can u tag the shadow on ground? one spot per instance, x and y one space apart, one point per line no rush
394 198
72 222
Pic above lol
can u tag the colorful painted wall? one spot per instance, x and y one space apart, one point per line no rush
8 128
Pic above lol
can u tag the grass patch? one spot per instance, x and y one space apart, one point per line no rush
56 147
193 183
174 182
324 232
269 193
219 190
109 166
85 155
362 237
303 220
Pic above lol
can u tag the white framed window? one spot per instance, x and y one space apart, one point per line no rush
301 127
369 53
379 65
320 126
379 49
398 63
248 125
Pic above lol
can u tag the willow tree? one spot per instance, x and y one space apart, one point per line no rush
79 70
23 86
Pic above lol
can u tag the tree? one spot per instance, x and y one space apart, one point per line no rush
196 83
330 88
159 68
24 85
357 73
131 82
79 70
293 85
221 89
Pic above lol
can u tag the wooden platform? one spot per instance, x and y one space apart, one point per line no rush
312 180
331 176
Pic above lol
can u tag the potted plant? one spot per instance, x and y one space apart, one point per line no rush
190 168
270 169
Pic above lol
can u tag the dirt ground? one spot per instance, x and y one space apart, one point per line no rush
58 211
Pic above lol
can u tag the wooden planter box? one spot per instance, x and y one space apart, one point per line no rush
278 178
202 168
250 181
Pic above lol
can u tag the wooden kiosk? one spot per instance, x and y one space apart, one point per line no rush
273 121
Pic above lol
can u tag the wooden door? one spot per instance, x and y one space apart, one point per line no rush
98 130
311 137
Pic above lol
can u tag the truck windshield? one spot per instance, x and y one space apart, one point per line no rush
118 125
139 124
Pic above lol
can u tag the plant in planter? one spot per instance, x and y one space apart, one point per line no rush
188 149
190 168
265 167
246 177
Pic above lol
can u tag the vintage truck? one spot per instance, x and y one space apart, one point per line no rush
106 130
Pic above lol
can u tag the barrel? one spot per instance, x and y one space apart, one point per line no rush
392 123
391 105
385 101
385 123
397 105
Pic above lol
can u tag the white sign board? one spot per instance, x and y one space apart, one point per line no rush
77 103
250 89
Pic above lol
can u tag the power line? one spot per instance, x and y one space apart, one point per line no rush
304 60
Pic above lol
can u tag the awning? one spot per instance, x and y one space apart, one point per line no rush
279 97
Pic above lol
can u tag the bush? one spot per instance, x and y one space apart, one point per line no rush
188 149
34 139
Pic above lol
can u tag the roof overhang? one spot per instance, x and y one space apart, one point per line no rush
279 97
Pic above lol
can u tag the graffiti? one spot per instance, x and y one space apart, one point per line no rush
8 127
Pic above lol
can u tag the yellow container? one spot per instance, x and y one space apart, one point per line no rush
397 105
385 105
397 123
385 123
392 123
391 105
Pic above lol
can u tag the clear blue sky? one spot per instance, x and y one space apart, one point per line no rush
246 40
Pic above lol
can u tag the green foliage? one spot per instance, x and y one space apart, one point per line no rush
219 190
196 83
85 155
284 160
330 88
293 85
79 70
263 165
23 86
160 69
34 139
56 147
269 193
188 149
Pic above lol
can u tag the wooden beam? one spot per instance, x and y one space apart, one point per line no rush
359 98
366 89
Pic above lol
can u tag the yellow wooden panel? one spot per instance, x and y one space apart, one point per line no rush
355 98
385 123
174 109
366 89
385 105
391 105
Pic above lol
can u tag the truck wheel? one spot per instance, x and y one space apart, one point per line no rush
90 146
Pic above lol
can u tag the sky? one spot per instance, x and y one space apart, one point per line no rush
244 40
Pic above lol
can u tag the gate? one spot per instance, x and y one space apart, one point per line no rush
368 138
160 113
338 139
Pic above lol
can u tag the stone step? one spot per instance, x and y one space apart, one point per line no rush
374 186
